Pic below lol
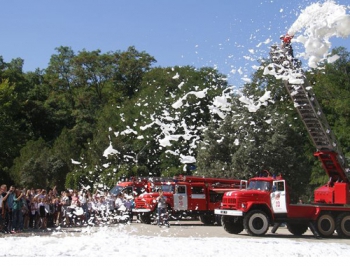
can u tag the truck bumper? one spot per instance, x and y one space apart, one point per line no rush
228 212
141 210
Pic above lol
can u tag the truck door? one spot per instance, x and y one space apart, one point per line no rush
198 199
180 198
278 197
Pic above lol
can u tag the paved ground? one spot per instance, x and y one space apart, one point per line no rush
197 229
193 229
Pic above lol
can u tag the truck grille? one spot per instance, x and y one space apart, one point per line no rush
229 203
140 204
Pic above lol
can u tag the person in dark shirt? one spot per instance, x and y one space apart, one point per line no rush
3 192
7 205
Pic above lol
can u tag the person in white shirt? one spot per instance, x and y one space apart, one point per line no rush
119 203
83 202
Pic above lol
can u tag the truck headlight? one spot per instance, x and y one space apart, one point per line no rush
243 205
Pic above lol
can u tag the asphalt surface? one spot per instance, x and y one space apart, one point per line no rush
182 228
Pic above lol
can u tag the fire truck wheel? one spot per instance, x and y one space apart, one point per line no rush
343 225
231 224
297 229
326 225
218 220
145 218
207 219
256 223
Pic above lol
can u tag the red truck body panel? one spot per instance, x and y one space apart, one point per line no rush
191 195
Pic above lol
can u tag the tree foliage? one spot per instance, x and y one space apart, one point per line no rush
92 118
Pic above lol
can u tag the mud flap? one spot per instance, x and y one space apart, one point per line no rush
275 227
314 230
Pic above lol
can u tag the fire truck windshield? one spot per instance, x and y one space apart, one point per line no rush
165 188
116 190
126 189
259 185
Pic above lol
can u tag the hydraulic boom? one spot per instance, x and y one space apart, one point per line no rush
306 104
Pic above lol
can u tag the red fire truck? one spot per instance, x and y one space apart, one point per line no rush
266 200
187 196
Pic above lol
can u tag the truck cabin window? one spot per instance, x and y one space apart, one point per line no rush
215 196
197 190
168 188
180 189
280 186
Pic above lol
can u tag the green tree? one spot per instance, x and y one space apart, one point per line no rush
175 104
135 128
131 67
9 129
259 133
59 73
332 89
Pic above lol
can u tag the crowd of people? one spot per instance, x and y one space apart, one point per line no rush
25 209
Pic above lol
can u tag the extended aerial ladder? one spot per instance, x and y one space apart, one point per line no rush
306 104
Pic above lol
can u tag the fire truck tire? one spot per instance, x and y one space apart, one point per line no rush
343 225
218 220
207 219
145 217
231 225
326 225
297 229
256 223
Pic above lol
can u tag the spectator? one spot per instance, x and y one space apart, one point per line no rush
91 209
129 205
24 211
33 212
17 211
7 209
101 207
41 194
162 209
75 198
119 203
3 192
110 208
42 213
49 208
83 201
65 202
57 205
27 210
73 205
79 217
32 192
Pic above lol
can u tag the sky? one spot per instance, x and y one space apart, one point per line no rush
227 35
117 242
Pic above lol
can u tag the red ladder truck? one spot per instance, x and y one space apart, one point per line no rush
266 200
